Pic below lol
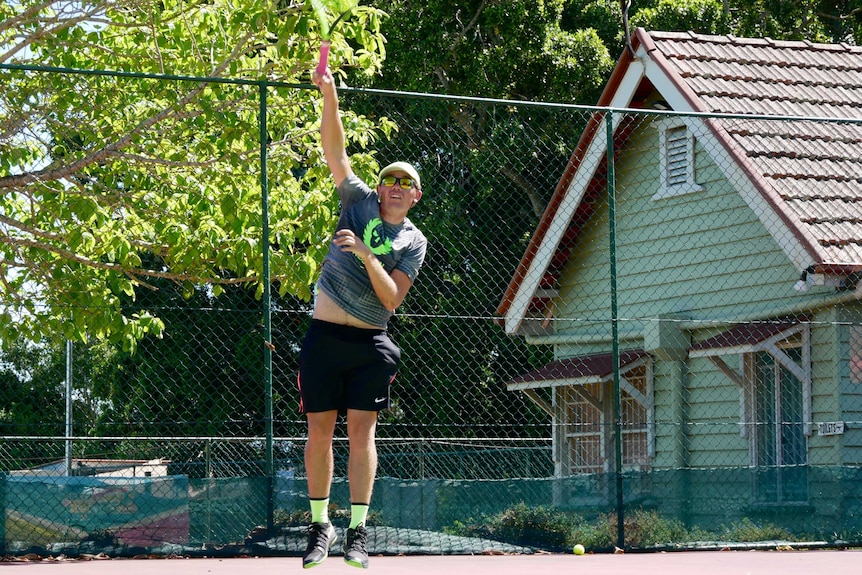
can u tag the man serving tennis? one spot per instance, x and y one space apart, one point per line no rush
347 361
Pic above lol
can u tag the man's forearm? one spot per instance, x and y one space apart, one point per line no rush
331 128
332 132
384 286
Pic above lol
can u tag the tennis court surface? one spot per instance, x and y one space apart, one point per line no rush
699 562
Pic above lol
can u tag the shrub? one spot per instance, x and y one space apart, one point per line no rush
747 531
540 527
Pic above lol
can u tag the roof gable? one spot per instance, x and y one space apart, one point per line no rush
803 174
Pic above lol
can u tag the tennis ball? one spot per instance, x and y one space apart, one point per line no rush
578 549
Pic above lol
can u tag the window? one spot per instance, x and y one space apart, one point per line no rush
590 412
636 418
856 354
677 160
585 423
779 443
775 414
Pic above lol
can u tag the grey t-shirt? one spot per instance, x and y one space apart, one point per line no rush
401 247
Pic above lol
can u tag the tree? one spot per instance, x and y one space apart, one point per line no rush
515 49
701 16
31 389
826 21
812 20
492 169
33 396
121 195
97 170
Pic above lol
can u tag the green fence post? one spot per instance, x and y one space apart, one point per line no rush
3 485
267 308
615 343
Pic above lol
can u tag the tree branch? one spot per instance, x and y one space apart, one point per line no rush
134 273
43 33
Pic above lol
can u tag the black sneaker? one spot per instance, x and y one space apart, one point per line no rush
321 536
355 547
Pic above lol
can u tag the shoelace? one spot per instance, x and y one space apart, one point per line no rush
358 541
320 533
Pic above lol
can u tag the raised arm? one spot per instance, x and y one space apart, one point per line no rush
331 128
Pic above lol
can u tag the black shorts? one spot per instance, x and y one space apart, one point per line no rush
343 367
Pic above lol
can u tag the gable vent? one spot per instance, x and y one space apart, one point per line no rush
676 150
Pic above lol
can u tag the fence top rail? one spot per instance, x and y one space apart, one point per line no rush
261 438
263 83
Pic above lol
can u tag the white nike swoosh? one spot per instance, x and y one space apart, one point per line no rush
379 399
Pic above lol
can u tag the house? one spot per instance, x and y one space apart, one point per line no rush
100 468
727 314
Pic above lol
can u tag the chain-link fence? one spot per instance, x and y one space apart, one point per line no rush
605 330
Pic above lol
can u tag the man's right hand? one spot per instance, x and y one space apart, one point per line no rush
324 80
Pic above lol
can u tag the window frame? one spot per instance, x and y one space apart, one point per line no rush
584 398
771 480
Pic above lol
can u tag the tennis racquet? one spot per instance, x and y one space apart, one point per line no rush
322 9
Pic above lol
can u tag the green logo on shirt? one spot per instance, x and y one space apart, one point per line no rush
375 239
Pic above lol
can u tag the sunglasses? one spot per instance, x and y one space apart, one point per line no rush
404 183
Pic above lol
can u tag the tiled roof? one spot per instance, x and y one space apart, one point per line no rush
814 168
746 334
581 367
808 171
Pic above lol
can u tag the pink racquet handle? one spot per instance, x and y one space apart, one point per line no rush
324 58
